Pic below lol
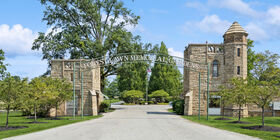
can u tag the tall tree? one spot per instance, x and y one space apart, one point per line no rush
86 29
133 76
165 77
112 89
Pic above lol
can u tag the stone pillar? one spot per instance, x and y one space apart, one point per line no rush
188 103
94 105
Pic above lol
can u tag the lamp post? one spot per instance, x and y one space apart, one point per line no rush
82 93
199 95
147 83
208 73
74 95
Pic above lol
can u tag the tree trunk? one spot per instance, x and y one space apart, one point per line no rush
7 118
223 114
35 113
56 110
262 116
239 113
102 82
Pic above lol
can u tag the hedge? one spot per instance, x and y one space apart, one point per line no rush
178 106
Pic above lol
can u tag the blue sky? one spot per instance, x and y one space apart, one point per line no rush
177 23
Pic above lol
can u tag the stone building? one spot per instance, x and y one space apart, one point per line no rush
226 60
92 96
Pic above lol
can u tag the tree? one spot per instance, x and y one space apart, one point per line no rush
266 67
86 29
251 58
64 89
159 95
39 94
238 94
2 65
165 77
112 89
265 86
262 93
133 76
61 91
132 96
12 89
224 98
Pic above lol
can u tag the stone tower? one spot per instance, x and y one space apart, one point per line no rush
226 60
235 44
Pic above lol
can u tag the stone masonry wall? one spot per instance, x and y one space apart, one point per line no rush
91 82
226 55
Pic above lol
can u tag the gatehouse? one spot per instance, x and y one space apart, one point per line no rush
226 60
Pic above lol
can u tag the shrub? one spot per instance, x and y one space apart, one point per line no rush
160 96
150 102
105 106
132 96
142 102
178 106
173 98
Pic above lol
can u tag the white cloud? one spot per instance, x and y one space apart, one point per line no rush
255 32
209 24
26 66
172 52
236 5
273 15
16 39
213 24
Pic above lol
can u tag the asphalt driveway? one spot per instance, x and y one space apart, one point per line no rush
151 122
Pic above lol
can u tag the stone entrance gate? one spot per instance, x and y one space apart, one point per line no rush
92 96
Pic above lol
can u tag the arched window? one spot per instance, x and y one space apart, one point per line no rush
215 72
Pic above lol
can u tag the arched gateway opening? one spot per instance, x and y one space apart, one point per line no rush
85 76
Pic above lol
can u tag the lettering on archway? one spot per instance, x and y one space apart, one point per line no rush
132 58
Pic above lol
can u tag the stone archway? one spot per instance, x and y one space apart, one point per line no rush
89 95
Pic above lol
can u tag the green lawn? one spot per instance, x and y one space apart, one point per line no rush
17 120
223 124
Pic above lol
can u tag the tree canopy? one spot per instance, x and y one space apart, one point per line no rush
86 29
111 90
12 91
165 77
2 65
266 65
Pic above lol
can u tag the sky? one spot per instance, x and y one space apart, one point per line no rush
175 22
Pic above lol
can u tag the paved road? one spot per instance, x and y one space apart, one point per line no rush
135 123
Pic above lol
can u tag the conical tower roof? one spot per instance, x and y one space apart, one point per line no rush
235 28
